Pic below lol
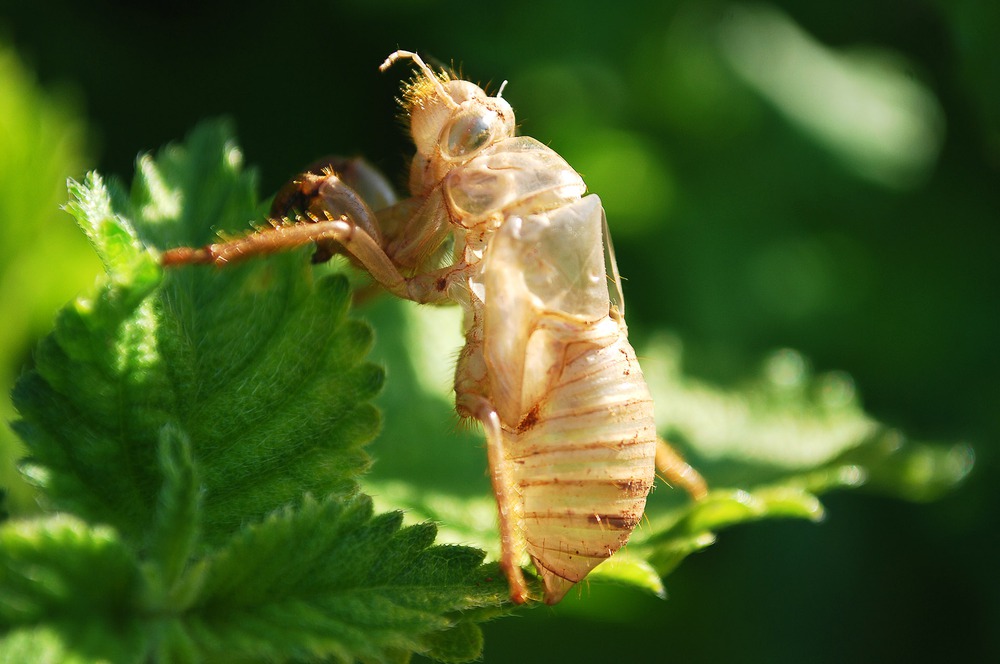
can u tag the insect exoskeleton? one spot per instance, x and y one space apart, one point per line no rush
501 225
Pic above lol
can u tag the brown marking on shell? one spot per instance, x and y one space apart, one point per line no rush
617 446
633 488
628 362
625 521
561 570
529 420
580 412
630 488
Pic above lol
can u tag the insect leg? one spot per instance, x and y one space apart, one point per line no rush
284 237
677 471
509 507
355 174
336 220
335 186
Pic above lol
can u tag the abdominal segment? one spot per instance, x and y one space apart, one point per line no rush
582 460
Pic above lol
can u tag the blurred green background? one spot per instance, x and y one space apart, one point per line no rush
821 176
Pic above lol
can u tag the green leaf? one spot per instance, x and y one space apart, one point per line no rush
67 593
179 407
789 427
461 643
329 579
257 364
629 570
785 438
112 236
913 470
174 533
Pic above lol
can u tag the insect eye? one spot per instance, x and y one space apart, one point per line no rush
470 131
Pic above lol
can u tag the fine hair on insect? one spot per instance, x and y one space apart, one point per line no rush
502 226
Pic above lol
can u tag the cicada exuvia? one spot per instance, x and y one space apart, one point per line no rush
501 225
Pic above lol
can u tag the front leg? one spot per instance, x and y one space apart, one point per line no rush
336 219
286 236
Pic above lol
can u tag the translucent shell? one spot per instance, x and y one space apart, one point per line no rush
501 225
547 366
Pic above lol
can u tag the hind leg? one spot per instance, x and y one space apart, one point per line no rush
678 472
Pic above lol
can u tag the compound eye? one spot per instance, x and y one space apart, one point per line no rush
471 130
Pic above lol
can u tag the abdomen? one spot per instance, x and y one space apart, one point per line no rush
583 459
